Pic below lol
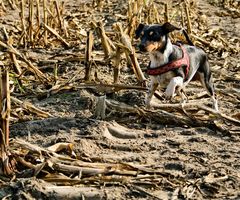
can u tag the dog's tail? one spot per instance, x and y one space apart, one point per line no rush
187 37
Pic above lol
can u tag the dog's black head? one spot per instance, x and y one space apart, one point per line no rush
154 37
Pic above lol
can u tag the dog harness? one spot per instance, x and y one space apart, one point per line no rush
184 61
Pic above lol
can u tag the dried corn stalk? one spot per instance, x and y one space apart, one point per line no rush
116 69
56 34
107 44
189 26
88 56
130 53
31 67
22 15
4 122
134 15
9 41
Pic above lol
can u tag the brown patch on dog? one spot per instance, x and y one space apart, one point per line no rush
153 46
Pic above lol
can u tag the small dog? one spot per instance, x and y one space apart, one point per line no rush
173 66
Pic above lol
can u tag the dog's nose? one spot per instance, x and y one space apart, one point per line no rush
142 47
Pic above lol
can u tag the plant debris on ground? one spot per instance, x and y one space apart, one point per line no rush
79 128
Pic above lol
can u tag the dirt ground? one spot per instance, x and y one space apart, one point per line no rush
192 162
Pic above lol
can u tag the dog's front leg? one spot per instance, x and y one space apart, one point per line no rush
151 91
175 82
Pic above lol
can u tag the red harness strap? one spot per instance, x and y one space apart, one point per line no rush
184 61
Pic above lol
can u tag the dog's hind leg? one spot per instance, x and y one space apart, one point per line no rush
207 82
151 90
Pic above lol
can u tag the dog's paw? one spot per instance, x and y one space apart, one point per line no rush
169 93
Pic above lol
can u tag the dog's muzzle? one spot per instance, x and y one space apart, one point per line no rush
142 47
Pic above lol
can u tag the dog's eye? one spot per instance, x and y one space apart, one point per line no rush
151 33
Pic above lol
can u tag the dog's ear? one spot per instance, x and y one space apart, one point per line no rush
167 28
139 30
